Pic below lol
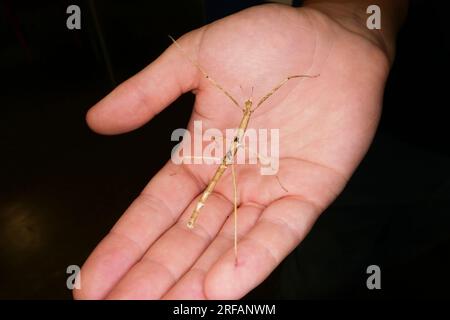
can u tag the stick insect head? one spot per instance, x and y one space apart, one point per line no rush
248 103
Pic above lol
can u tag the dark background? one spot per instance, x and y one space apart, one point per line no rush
62 187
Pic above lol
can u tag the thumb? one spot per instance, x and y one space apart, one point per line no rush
140 98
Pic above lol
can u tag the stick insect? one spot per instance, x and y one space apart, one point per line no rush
229 157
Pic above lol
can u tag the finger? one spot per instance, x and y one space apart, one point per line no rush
279 230
140 98
153 212
174 253
191 285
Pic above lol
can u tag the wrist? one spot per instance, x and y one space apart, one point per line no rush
352 15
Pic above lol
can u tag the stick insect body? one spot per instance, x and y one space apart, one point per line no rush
228 158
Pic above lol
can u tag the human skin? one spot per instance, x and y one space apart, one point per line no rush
326 126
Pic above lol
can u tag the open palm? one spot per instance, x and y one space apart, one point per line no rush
326 125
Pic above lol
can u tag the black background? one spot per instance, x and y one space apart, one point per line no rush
62 187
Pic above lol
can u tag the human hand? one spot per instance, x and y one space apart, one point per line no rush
326 126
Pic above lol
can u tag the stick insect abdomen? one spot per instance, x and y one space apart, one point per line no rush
209 189
226 161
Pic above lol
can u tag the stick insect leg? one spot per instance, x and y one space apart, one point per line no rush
274 89
215 139
224 145
233 174
276 176
262 160
203 72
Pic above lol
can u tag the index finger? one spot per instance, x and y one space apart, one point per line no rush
153 212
